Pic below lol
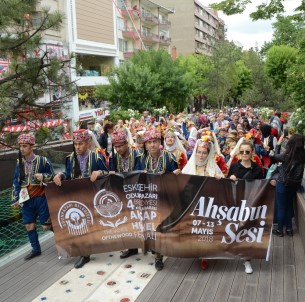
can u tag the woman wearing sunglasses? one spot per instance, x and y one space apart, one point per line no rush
246 168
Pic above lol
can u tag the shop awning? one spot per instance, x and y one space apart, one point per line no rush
33 126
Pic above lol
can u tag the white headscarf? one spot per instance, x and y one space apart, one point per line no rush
94 142
129 136
177 144
212 168
193 133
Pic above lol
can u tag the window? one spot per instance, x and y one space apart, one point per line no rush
145 31
145 12
122 45
121 24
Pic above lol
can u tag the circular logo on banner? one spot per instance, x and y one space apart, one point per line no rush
107 204
76 217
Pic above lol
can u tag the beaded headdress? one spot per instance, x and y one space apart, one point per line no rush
26 138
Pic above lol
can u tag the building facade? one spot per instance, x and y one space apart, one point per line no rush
195 28
99 35
142 25
92 39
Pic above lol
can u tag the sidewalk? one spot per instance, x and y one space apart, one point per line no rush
47 278
109 278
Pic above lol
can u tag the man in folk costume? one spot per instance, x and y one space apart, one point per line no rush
31 174
156 160
81 163
124 160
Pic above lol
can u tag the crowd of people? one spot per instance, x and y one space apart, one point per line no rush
235 143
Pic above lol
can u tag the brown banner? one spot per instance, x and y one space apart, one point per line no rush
179 216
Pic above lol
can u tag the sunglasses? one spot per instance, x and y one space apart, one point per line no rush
244 152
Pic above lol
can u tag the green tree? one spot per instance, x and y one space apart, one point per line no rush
132 87
296 78
29 75
264 9
197 68
151 79
241 79
262 91
287 31
221 81
279 60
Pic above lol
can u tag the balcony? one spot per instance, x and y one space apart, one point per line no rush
132 12
165 40
128 54
149 37
200 50
92 69
165 23
202 40
130 34
150 18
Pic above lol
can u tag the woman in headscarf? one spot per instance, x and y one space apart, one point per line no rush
173 144
203 163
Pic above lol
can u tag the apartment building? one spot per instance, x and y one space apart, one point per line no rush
92 38
142 25
99 34
195 28
89 35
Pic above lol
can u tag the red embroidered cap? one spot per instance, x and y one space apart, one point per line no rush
80 135
119 137
26 138
151 134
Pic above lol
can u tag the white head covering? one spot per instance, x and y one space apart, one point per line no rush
129 137
216 145
94 142
193 133
177 144
212 168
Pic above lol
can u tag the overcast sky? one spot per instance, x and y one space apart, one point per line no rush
249 33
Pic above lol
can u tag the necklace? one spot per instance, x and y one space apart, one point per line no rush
150 167
200 170
125 164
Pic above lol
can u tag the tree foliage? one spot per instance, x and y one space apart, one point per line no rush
296 78
279 60
264 9
151 79
223 78
262 91
287 31
197 68
32 71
